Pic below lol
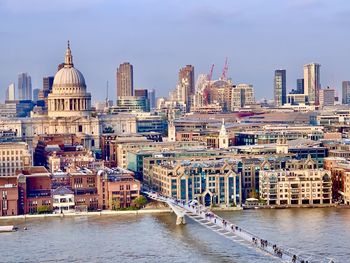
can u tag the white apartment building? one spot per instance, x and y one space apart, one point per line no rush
295 187
63 200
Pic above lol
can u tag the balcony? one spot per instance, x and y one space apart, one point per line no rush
85 191
39 193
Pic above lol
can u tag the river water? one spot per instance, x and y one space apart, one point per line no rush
156 238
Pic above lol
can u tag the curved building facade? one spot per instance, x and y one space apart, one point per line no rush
69 97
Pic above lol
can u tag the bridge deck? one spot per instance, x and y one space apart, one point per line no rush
231 231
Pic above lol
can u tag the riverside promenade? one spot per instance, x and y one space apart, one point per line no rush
100 213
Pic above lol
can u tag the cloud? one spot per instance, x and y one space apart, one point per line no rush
212 15
38 6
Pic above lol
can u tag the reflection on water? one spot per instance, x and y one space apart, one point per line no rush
156 238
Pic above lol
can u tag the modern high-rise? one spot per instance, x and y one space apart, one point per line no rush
125 80
24 87
312 83
36 94
346 92
47 85
141 93
10 92
300 86
186 87
280 87
152 98
242 95
327 97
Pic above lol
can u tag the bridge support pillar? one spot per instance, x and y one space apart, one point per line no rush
180 220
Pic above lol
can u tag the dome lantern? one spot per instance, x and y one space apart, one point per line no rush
68 62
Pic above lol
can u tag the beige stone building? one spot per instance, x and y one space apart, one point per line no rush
295 187
14 156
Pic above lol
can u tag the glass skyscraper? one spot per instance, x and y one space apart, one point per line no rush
280 87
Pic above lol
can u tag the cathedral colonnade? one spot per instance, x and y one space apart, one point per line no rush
69 104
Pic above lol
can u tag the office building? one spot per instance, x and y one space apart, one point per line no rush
210 182
346 92
24 87
312 83
125 80
130 104
10 92
141 93
47 85
280 90
300 86
152 98
327 97
242 95
185 88
36 94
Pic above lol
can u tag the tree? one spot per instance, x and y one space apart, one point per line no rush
44 209
115 204
253 194
140 201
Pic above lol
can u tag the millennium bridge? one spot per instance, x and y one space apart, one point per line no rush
233 232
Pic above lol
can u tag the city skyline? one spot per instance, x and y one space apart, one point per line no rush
244 148
163 53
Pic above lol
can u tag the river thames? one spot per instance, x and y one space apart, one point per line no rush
156 238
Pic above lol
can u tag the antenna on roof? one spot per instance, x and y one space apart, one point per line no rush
107 94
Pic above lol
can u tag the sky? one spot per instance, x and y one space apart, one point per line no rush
159 37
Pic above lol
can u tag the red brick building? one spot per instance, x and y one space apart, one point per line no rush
8 196
117 188
34 185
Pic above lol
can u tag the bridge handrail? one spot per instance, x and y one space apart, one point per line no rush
185 205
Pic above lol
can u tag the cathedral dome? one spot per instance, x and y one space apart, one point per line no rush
69 97
68 79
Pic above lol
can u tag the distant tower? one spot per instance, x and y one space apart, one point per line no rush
281 145
152 98
300 86
10 92
24 87
36 94
280 90
186 88
125 80
223 137
346 92
312 83
171 126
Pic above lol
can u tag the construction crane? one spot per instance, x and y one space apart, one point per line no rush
224 71
207 88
